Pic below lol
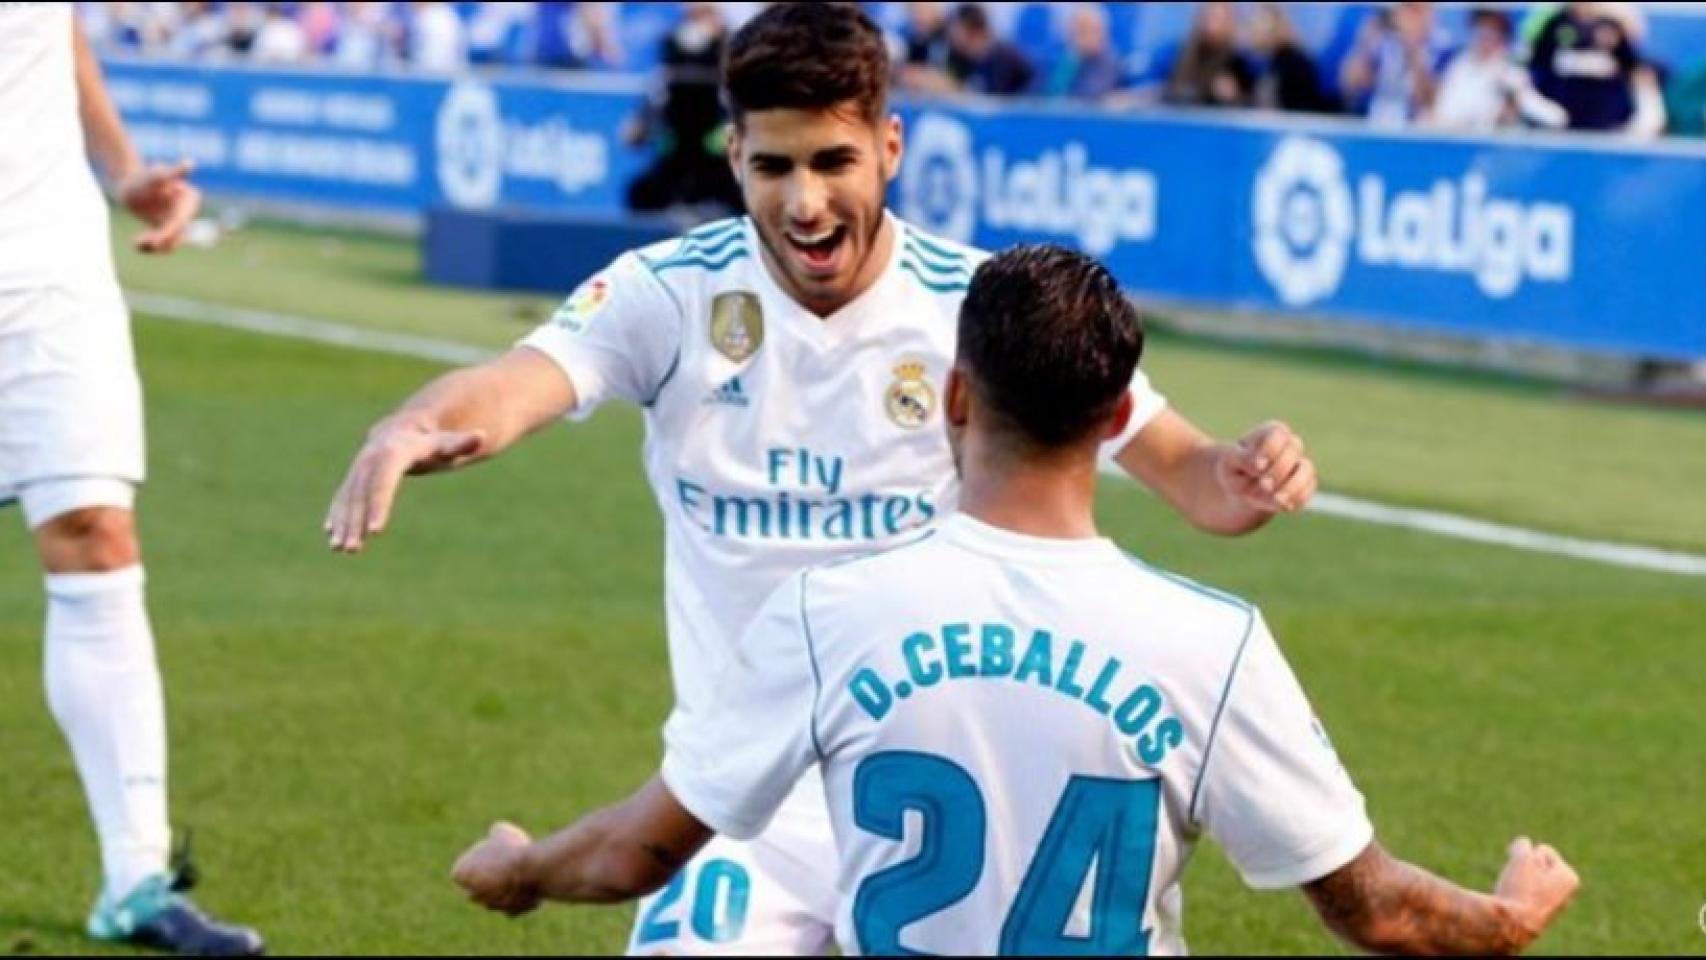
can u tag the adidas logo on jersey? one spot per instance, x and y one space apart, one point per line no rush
731 394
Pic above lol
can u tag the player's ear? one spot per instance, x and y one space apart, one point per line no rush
893 146
1122 416
956 402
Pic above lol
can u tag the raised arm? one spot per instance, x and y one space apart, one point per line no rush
1224 488
1384 905
462 417
612 855
160 195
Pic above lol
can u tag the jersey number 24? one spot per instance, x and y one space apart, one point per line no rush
1099 821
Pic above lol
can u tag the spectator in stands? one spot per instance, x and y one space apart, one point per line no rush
280 38
593 39
1210 71
981 62
1483 87
367 38
1090 69
199 32
242 25
1288 80
1391 71
577 36
437 41
1584 59
319 20
685 115
922 55
500 32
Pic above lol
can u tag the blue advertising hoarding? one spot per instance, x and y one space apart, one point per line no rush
1561 242
387 143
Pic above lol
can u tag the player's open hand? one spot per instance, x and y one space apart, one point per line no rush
1268 470
1537 881
491 871
162 196
396 448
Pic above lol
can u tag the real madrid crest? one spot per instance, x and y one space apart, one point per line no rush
910 399
737 325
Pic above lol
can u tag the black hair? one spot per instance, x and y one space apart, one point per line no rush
1048 343
807 56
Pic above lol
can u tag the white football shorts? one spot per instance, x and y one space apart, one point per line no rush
70 400
770 896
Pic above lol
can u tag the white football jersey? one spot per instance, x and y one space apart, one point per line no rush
53 220
775 439
1021 740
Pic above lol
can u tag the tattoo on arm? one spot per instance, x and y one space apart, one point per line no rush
1383 904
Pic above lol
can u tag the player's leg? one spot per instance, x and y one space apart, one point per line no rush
73 449
773 896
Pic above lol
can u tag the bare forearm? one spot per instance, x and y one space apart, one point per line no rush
504 399
1384 905
1178 463
591 862
618 853
103 130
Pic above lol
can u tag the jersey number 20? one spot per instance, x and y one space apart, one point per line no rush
1099 821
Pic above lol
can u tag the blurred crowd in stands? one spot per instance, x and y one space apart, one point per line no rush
1634 69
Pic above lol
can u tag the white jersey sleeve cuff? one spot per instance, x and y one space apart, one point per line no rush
1149 405
589 385
1333 854
708 804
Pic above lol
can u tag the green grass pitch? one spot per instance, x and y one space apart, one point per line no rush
341 727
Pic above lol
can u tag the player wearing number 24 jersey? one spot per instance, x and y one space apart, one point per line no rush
1023 731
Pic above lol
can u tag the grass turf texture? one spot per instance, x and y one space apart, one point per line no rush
343 727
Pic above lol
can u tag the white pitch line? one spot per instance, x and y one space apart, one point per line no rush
307 328
1451 525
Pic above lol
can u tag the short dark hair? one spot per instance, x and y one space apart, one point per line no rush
972 17
1492 17
1048 343
807 56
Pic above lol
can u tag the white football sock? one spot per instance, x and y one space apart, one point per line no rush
103 686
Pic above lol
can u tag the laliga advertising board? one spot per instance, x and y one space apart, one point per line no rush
1513 239
1528 238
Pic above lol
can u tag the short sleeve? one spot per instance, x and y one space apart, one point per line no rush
617 336
1147 404
732 765
1271 790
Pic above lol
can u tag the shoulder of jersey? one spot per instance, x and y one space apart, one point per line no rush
1193 602
937 264
709 249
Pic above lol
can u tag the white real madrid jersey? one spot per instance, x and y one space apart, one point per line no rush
775 439
53 221
1021 740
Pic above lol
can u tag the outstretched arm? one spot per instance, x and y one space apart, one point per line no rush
160 195
1224 488
1384 905
608 856
462 417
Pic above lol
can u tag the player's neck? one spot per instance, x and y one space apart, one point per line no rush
1050 499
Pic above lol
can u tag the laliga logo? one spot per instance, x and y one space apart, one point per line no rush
1306 225
470 140
1058 192
939 179
477 148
